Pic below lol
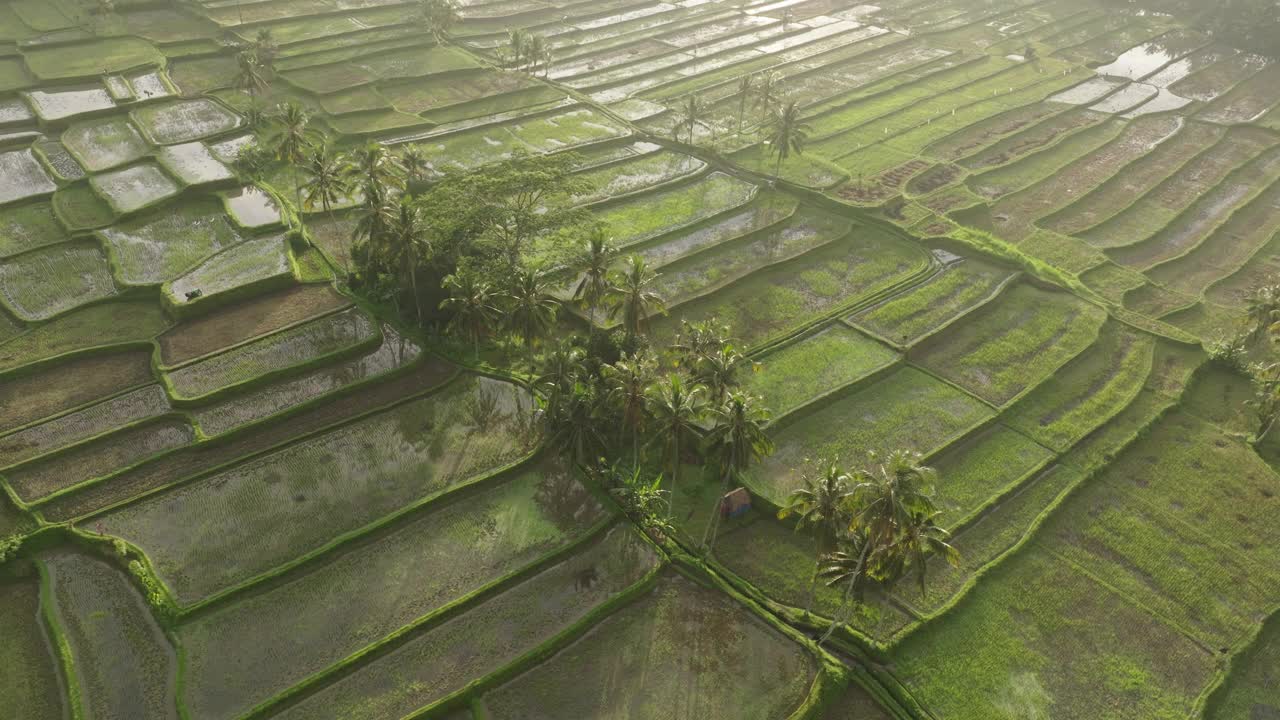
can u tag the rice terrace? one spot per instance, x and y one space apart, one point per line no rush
639 359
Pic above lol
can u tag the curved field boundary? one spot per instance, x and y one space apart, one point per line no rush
60 645
159 364
452 610
1209 703
250 434
1014 277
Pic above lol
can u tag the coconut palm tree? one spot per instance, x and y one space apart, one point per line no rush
250 75
746 87
890 500
531 310
821 502
787 134
675 406
736 439
692 112
408 245
371 229
517 46
534 49
265 49
326 185
472 303
718 369
560 370
633 297
768 92
292 141
628 380
574 424
376 170
596 283
415 164
698 340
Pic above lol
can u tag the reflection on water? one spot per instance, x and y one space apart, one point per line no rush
251 207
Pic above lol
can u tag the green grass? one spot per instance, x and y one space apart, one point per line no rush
331 485
54 279
125 665
13 75
328 613
1219 395
767 304
1041 638
488 637
909 410
1255 674
974 470
814 366
647 216
31 670
1211 592
144 250
984 540
1086 392
741 667
1013 343
90 59
29 226
958 289
294 347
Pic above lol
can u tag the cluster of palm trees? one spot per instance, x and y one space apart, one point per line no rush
689 401
783 124
874 525
528 306
527 51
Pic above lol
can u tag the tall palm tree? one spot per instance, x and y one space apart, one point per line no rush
633 297
628 380
787 134
534 50
691 115
327 186
415 163
768 92
292 140
376 170
718 369
472 303
746 88
250 75
517 45
574 425
821 503
593 261
675 407
371 230
561 369
265 49
889 499
736 439
531 310
408 246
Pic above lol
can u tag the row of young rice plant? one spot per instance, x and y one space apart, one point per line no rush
130 407
105 324
1013 343
46 282
320 616
680 632
767 304
395 352
31 665
70 384
145 253
124 664
396 458
958 289
297 346
443 659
